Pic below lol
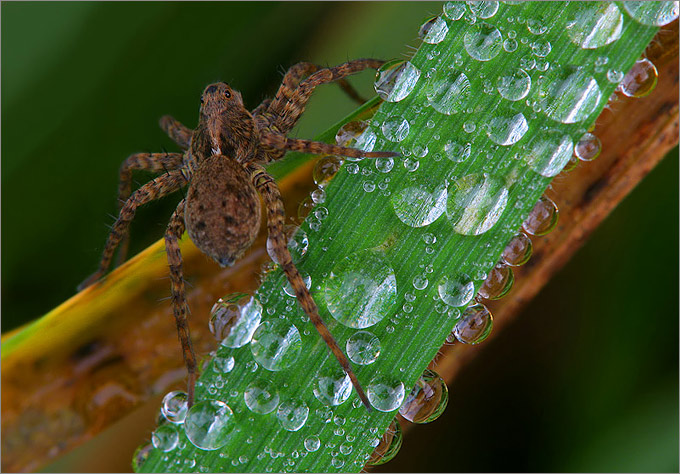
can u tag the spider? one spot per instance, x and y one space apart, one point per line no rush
222 165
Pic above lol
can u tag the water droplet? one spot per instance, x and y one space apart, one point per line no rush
475 203
588 147
385 394
223 365
474 325
457 152
318 196
454 10
483 9
427 400
507 130
510 45
288 287
640 80
518 251
469 127
395 128
420 150
298 242
388 446
498 283
326 168
208 424
595 25
456 290
276 344
614 76
420 282
395 80
573 98
174 407
363 347
652 13
483 41
515 85
541 48
537 26
292 414
360 290
548 152
411 165
543 217
333 388
261 396
347 134
416 207
384 165
140 456
234 319
165 437
449 91
433 31
312 443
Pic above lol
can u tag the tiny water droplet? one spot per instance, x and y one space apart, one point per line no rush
427 400
588 147
469 127
140 456
483 41
326 168
363 347
209 424
276 344
288 288
433 31
640 80
395 80
475 203
518 251
474 325
420 282
292 414
543 217
174 407
165 437
261 396
223 365
348 134
384 165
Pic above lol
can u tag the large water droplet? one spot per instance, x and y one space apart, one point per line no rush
261 396
395 80
449 91
498 283
385 393
326 168
363 347
333 388
454 10
548 152
483 9
427 400
234 319
518 251
483 41
542 218
514 85
165 437
456 290
652 13
417 207
595 24
312 443
475 203
457 152
224 364
395 128
209 424
572 99
640 80
349 132
292 414
507 130
474 325
276 344
588 147
434 30
360 290
388 445
174 407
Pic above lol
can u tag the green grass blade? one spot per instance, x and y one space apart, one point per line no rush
378 225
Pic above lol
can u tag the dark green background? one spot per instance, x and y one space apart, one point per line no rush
585 380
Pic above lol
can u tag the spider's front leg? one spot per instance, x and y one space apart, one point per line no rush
157 188
278 246
281 142
155 162
179 302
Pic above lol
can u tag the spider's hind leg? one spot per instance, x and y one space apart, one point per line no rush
178 132
278 244
281 142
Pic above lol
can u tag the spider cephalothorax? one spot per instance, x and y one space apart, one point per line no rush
222 165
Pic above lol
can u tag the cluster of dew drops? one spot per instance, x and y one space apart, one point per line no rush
473 207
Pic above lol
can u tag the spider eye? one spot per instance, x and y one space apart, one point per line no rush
227 94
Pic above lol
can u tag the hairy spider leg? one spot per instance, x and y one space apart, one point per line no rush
269 191
140 161
282 142
178 132
179 303
157 188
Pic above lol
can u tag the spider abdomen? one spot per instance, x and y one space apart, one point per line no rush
222 211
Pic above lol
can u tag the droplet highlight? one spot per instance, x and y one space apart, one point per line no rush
333 388
395 128
165 437
507 130
588 147
572 99
433 31
174 406
449 91
514 85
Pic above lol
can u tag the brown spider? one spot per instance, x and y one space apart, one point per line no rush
222 166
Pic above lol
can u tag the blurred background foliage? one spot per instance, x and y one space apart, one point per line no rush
585 380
